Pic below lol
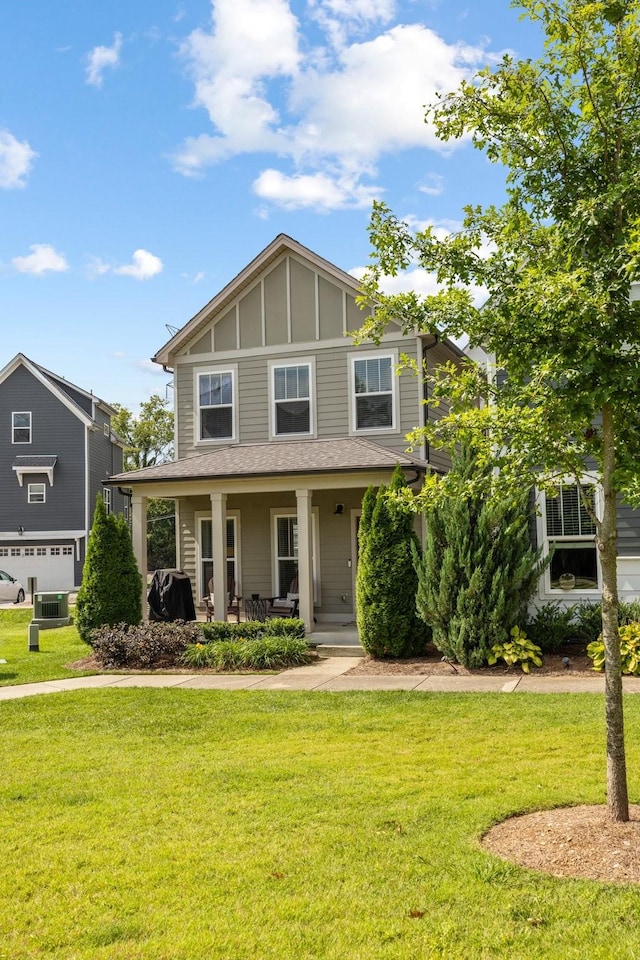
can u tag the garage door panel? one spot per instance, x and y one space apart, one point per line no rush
53 566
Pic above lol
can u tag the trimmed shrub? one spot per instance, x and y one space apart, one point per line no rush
479 570
253 629
551 626
143 646
111 589
386 580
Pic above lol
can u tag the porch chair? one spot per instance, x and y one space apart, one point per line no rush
285 606
233 601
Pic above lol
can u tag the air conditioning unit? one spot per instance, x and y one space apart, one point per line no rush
51 609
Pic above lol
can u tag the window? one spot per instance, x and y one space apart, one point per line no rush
215 405
374 393
4 551
41 551
54 552
36 493
29 552
21 426
105 429
570 532
106 496
285 552
292 399
206 553
67 551
15 551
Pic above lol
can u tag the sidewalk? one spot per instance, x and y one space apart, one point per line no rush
325 675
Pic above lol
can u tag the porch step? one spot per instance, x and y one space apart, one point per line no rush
339 650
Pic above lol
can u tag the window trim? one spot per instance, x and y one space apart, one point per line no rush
232 369
276 514
106 496
22 413
353 407
31 492
545 590
201 517
274 365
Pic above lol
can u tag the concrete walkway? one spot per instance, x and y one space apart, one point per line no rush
326 675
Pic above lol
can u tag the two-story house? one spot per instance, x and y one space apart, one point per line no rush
281 424
56 450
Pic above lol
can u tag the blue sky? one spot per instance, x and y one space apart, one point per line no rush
149 150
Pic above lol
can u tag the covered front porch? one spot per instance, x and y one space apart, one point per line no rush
259 520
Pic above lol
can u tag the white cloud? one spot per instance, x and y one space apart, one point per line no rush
96 268
319 191
432 185
329 111
100 58
43 259
16 158
144 266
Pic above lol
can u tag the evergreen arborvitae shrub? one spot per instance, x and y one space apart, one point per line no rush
386 580
478 570
111 587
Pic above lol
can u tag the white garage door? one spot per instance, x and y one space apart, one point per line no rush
52 565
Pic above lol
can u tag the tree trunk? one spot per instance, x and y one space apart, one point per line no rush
617 796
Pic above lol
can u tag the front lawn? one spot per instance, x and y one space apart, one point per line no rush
58 648
195 825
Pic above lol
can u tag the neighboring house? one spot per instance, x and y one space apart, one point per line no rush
56 449
563 525
281 424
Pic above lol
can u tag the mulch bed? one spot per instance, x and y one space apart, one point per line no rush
432 664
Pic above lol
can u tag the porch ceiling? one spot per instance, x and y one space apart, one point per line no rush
297 458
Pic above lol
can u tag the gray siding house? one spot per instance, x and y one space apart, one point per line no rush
281 424
56 450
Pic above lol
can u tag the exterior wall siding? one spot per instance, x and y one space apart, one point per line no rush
56 431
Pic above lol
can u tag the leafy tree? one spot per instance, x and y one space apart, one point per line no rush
386 580
557 260
149 438
478 571
111 588
161 534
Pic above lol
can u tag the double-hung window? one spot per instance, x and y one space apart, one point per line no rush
570 536
292 413
36 493
21 427
215 405
373 393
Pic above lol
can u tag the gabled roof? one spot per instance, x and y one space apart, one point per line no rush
248 275
299 457
55 384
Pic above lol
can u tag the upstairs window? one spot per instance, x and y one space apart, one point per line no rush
570 534
215 404
21 427
374 387
292 399
36 493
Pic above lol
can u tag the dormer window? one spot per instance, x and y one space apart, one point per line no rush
21 427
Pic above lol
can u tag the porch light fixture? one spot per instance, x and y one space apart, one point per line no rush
20 531
339 510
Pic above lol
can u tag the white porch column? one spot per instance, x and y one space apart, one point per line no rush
139 539
219 538
305 558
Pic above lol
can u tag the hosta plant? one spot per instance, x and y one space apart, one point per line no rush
629 650
517 650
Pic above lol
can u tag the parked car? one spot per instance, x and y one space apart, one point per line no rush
10 588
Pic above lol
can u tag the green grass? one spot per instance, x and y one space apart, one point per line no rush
57 648
196 825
